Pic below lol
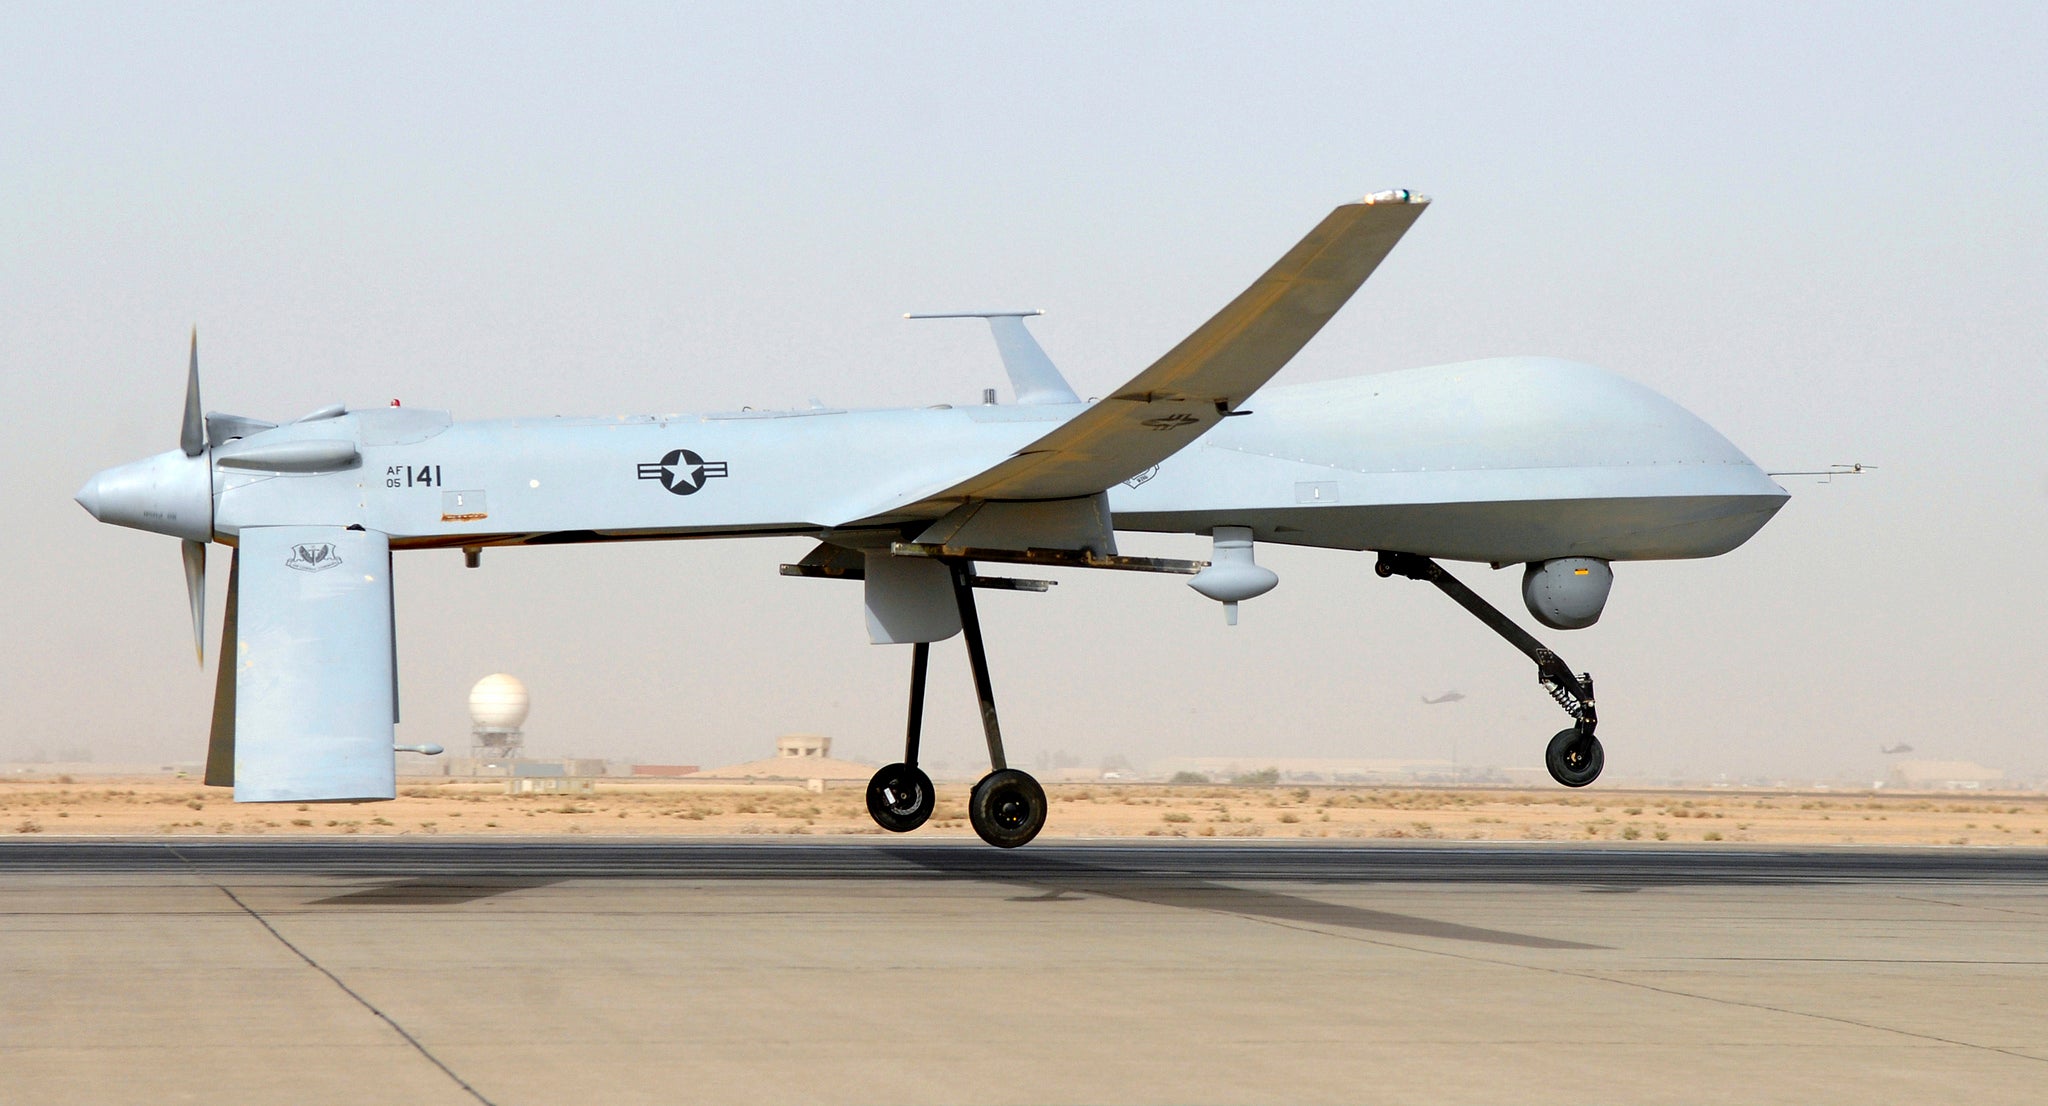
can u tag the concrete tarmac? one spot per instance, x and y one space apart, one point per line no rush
868 970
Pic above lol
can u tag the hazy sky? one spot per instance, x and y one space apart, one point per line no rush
1819 227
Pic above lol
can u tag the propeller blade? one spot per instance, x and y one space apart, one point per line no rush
220 745
195 590
193 437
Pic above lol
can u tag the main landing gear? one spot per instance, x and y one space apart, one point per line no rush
1574 756
1007 808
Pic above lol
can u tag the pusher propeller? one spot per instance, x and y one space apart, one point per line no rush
192 438
195 590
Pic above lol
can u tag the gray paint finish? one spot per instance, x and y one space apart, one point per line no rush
1506 460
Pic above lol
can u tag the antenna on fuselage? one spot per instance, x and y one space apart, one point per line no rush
1829 473
1032 373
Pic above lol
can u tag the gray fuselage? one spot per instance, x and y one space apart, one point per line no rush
1503 460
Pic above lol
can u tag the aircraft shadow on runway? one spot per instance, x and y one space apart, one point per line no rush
435 890
1059 877
1055 878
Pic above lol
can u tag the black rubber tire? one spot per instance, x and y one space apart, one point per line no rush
1007 808
1574 759
900 797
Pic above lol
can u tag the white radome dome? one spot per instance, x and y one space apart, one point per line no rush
498 702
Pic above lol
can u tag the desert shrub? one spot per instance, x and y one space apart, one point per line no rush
1188 778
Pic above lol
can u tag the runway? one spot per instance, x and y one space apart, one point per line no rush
865 969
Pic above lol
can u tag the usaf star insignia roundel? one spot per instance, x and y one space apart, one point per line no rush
682 472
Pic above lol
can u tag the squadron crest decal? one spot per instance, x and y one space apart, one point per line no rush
313 557
682 472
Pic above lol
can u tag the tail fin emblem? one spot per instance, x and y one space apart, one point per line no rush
315 557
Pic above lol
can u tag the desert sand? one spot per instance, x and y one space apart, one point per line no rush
62 806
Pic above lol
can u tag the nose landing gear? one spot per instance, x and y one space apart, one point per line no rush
1574 756
1007 808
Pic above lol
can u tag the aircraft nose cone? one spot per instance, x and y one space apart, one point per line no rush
169 493
88 496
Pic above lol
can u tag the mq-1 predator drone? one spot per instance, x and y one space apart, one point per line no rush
1561 467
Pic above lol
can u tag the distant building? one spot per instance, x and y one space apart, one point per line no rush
1341 770
669 770
1943 775
799 757
803 745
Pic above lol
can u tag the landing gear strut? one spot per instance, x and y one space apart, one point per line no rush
1574 756
1008 807
900 796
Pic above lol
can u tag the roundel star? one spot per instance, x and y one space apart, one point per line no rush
682 471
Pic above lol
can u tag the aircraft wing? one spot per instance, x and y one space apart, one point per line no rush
1200 381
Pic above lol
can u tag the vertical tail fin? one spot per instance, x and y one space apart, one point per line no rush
312 666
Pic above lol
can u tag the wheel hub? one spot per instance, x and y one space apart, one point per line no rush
1007 808
900 798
